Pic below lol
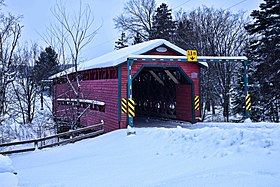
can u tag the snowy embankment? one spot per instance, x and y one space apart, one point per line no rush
7 172
220 155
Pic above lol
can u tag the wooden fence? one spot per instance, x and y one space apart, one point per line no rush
40 143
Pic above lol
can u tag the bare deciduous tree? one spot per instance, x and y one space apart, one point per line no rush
69 35
10 31
24 87
215 33
137 18
71 32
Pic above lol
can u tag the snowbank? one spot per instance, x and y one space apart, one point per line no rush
7 172
219 155
247 124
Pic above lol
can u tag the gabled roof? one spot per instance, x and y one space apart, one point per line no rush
120 56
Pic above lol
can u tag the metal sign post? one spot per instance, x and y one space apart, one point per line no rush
247 95
129 97
129 88
235 59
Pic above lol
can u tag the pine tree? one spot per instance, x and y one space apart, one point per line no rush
238 95
137 39
163 25
122 42
265 49
46 65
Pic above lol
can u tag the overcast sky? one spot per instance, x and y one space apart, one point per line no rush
37 17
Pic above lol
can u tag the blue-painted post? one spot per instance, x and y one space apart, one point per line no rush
247 113
129 88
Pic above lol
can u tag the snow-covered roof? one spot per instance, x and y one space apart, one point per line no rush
120 56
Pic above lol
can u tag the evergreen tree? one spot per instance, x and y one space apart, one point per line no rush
238 95
46 65
122 42
265 49
163 25
137 39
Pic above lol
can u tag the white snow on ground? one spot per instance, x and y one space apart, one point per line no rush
208 154
7 176
14 130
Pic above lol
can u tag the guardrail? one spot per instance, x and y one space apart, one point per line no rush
74 135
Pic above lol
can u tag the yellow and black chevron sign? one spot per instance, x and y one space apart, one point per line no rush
131 107
124 106
248 102
196 102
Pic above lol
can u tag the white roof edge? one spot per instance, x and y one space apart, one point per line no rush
156 56
163 57
62 73
198 57
222 58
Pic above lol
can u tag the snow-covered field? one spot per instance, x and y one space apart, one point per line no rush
208 154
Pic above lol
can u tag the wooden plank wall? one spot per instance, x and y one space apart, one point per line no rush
184 102
105 90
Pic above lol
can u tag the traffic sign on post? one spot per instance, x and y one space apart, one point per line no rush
131 107
124 105
192 55
196 102
248 105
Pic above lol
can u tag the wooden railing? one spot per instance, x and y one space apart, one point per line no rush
40 143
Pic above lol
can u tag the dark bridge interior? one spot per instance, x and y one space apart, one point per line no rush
154 91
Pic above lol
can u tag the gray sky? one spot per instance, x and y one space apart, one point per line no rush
37 17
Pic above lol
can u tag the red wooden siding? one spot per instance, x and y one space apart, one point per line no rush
101 90
184 102
124 92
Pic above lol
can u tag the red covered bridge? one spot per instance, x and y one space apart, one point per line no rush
156 74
